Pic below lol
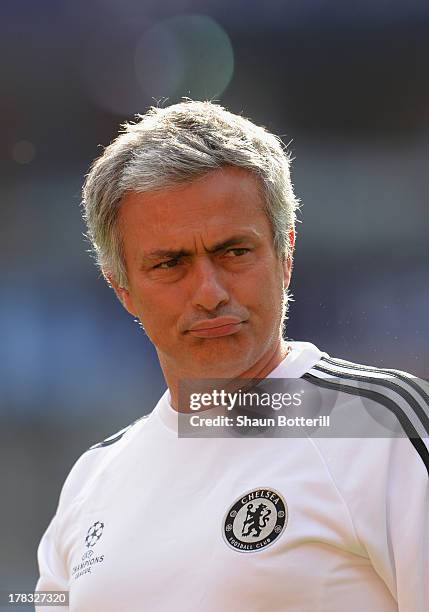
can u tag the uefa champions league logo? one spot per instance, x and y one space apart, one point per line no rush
94 534
86 565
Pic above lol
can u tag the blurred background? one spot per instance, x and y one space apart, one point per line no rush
346 83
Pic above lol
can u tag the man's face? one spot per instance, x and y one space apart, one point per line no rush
203 276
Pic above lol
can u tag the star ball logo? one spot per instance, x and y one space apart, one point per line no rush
255 520
94 534
89 560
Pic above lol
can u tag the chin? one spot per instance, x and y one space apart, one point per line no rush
221 364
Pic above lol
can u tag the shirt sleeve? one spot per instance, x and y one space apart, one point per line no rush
407 525
52 572
385 484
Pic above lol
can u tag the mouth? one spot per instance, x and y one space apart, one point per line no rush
216 328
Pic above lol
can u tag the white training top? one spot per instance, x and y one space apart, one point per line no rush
151 522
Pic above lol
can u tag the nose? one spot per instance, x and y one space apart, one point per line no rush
209 291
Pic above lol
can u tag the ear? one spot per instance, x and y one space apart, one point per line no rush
122 294
292 237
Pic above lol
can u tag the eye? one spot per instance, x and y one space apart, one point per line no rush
236 252
165 265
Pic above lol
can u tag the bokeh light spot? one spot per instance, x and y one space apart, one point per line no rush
189 55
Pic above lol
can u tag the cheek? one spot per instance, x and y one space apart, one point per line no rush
266 304
268 286
157 311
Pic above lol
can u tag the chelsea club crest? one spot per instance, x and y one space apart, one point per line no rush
255 520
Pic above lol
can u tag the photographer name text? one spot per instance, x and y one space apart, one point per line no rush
279 420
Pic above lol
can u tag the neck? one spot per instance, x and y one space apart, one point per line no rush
260 369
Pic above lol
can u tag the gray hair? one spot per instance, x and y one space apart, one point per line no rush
177 144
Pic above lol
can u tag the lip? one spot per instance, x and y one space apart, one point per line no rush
215 328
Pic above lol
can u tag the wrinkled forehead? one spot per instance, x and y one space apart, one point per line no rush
231 182
225 201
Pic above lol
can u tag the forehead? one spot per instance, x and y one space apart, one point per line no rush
228 200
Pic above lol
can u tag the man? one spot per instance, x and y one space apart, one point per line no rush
191 213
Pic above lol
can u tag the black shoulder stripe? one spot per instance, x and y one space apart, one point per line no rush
406 424
402 376
117 436
388 384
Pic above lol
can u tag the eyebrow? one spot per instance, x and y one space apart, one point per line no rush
175 254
